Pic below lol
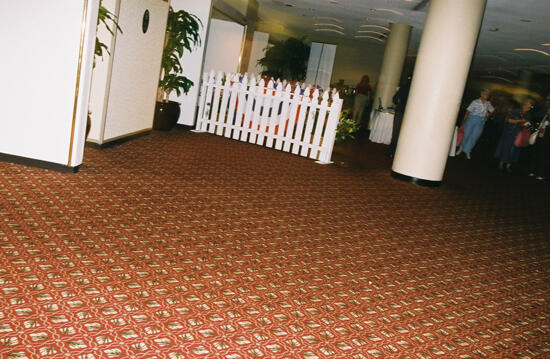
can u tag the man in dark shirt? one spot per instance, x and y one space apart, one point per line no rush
400 101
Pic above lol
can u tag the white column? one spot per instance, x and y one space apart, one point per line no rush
392 65
193 62
442 65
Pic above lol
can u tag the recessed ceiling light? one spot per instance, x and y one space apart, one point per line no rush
524 20
494 29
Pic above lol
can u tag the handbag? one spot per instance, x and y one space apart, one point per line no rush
522 138
459 135
533 137
535 134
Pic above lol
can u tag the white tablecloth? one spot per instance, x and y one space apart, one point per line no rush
381 126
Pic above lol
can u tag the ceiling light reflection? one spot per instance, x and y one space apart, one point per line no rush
368 37
329 18
376 26
371 32
533 50
327 24
389 10
331 30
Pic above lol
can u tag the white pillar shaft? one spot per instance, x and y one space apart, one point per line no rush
442 65
392 64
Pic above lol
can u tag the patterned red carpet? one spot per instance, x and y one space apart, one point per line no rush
183 245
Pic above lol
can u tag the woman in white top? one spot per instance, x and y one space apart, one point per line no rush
474 121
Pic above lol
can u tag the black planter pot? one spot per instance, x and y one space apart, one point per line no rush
166 115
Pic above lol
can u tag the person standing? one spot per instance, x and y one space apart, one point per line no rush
506 152
474 121
400 101
541 151
362 97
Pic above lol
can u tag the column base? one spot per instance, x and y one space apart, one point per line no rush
414 180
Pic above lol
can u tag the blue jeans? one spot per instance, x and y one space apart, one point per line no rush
472 130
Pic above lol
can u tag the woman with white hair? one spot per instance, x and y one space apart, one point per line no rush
474 121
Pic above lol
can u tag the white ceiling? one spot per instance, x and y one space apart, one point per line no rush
507 25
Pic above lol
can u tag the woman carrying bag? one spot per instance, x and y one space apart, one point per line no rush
474 121
507 152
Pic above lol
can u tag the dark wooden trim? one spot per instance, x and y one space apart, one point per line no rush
118 141
31 162
414 180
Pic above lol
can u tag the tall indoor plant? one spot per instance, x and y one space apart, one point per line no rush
182 33
286 60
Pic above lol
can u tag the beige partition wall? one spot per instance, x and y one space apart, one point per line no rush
124 90
392 65
45 72
440 74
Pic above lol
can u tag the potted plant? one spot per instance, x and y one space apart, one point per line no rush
346 128
182 33
286 60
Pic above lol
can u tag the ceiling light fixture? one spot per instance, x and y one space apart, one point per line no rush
376 26
368 37
546 44
533 50
331 30
371 32
388 10
326 24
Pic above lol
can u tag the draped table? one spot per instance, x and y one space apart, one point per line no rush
381 127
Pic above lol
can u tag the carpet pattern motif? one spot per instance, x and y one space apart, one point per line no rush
183 245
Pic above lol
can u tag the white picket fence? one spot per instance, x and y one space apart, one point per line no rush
298 121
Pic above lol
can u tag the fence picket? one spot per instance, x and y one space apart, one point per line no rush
249 108
320 125
273 120
283 117
330 131
223 125
264 117
292 119
308 132
202 102
241 106
258 104
208 101
297 139
215 103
